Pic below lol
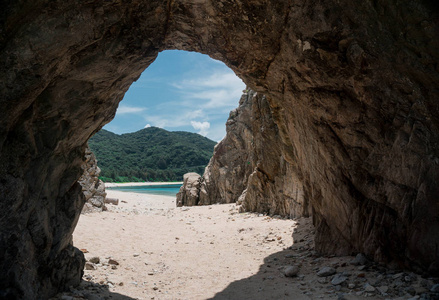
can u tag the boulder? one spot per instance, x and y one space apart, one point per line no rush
188 194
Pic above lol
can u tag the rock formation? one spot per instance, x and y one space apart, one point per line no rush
248 166
189 193
353 87
92 187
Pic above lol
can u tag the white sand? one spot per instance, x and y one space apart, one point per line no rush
202 252
193 253
121 184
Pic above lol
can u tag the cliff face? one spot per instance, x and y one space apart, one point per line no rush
352 86
92 187
249 167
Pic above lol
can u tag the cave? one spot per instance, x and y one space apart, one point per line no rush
353 86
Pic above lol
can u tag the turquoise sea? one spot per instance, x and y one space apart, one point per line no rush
164 189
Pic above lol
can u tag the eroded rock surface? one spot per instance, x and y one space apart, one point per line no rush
248 166
352 86
189 193
92 187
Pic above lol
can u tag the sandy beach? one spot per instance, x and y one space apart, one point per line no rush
146 248
121 184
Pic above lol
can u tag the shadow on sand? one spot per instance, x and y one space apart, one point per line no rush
91 291
270 281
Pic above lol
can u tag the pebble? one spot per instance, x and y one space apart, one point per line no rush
291 271
321 280
113 262
368 288
383 289
359 260
94 260
90 266
338 279
326 271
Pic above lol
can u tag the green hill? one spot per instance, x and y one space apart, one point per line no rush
150 154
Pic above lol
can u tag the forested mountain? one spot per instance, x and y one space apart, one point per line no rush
150 154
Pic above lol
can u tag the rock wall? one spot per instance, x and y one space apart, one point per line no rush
352 86
92 187
248 165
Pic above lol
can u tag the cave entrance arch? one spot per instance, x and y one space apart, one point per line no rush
355 101
180 91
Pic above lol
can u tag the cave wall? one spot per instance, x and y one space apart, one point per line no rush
353 86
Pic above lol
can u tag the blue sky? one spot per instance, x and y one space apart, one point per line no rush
181 90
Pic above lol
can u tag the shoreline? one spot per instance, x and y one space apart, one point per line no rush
114 184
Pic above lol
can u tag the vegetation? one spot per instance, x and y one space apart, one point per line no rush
150 154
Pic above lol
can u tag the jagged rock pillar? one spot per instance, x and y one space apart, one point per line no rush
92 187
249 165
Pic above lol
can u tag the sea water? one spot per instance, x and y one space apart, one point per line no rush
163 189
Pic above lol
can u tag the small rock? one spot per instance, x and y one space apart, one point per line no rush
90 266
88 277
291 271
326 271
338 279
359 260
322 280
94 260
410 290
351 286
155 288
136 254
383 289
113 262
435 288
150 273
368 288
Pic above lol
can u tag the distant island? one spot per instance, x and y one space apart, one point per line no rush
150 154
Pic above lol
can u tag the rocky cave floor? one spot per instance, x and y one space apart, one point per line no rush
291 269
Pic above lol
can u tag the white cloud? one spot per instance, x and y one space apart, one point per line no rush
123 109
174 119
203 127
147 126
219 90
